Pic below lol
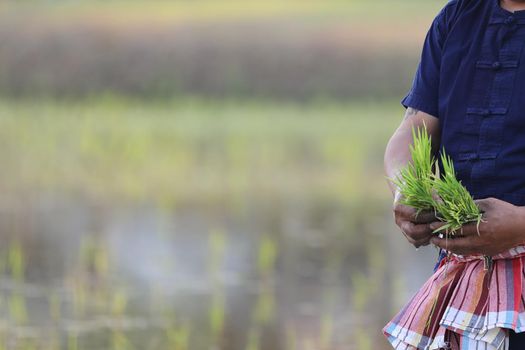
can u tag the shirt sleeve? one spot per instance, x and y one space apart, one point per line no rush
424 94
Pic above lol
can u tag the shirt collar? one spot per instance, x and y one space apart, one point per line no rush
501 15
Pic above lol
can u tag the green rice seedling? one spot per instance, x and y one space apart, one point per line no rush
327 330
16 261
72 341
291 337
254 336
455 206
119 340
415 181
425 189
268 250
264 310
18 309
217 315
119 303
217 243
178 336
54 306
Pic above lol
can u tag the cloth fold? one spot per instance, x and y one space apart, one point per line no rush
464 306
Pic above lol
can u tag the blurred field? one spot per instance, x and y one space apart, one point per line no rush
130 12
142 225
194 150
202 175
274 49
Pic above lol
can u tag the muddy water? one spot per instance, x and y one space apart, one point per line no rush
272 274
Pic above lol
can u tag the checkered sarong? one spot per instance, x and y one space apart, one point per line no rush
464 306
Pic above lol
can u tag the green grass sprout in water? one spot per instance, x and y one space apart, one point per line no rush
455 206
415 181
424 189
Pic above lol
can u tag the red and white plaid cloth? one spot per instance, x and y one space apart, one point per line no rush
463 306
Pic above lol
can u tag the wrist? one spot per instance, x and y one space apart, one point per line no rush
397 186
520 218
397 194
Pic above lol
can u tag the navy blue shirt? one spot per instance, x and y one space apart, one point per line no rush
472 77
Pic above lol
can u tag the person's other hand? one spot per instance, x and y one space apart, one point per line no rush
415 227
502 228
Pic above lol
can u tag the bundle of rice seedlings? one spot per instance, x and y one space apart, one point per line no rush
455 206
415 181
424 189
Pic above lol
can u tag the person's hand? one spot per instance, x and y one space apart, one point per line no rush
502 228
415 227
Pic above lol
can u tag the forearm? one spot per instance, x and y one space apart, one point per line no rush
397 153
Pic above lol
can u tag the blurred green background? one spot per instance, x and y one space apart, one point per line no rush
202 174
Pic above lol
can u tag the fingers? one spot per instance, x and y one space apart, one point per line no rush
436 225
470 229
417 235
404 211
462 245
414 226
416 232
422 242
408 213
418 242
424 217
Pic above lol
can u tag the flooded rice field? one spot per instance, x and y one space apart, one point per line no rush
270 275
195 225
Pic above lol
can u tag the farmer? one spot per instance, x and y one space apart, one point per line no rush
469 91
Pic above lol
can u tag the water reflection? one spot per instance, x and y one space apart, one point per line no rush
276 275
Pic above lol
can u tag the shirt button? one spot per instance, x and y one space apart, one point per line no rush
496 65
509 20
